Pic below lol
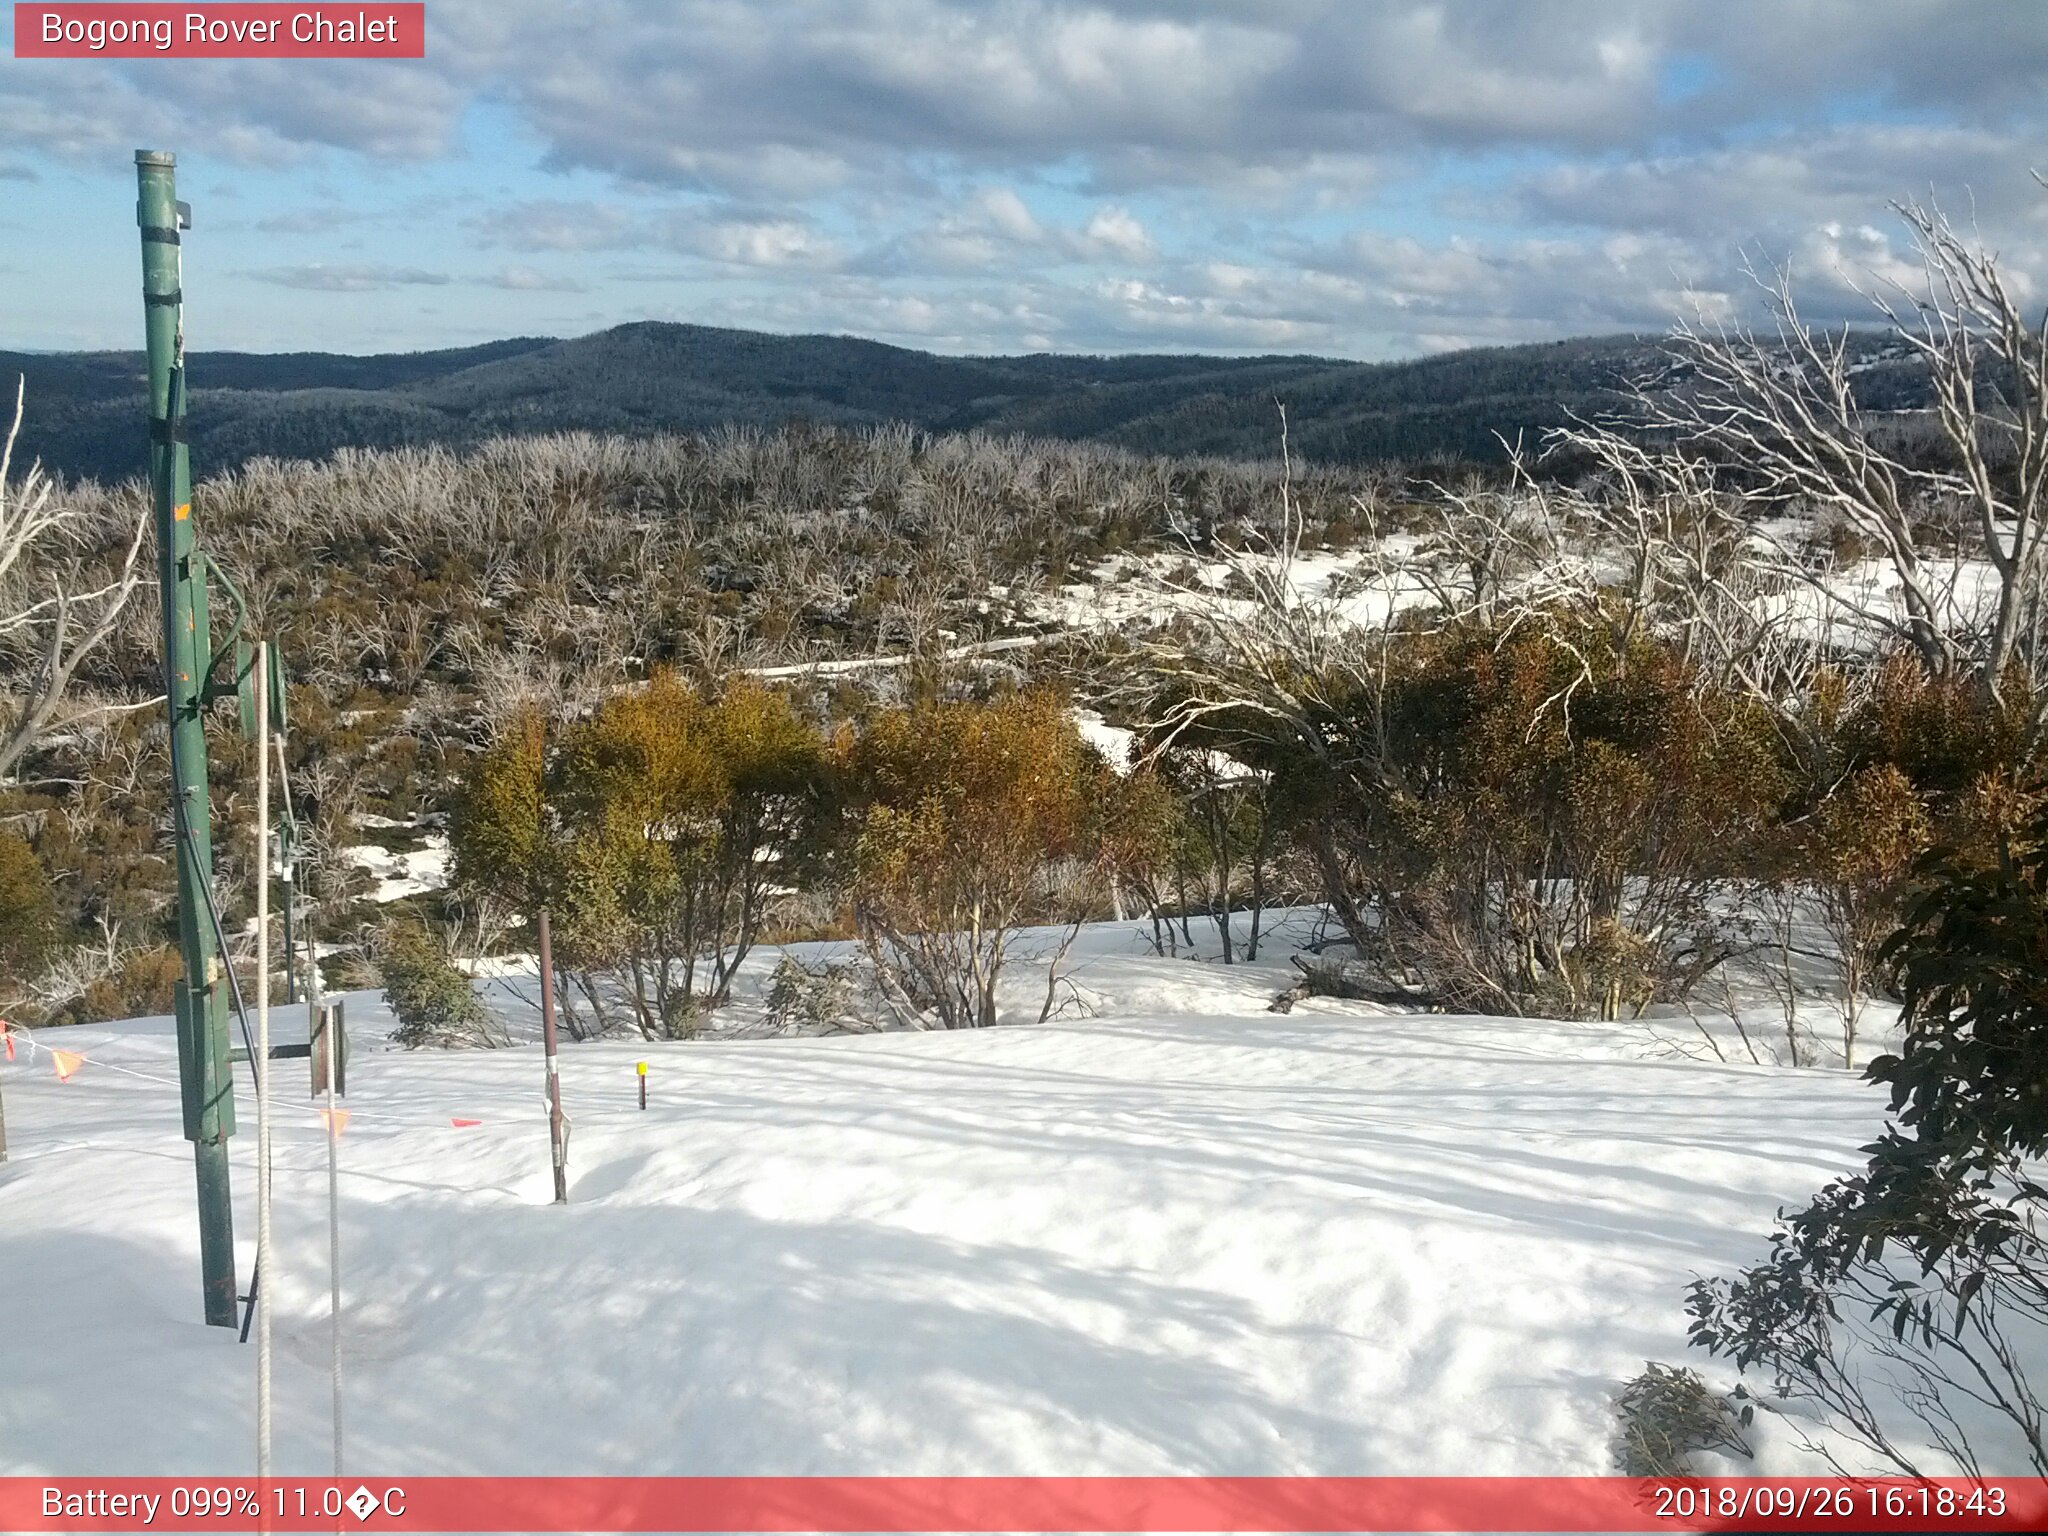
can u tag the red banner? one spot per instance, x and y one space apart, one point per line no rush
220 31
983 1504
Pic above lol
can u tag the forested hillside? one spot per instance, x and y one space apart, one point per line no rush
651 377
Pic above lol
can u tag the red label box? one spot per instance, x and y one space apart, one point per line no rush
162 1506
220 31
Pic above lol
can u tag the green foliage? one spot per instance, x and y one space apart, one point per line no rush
1529 820
799 998
30 925
1933 1259
1667 1413
1973 973
1867 835
1941 733
1141 820
654 830
433 1000
498 834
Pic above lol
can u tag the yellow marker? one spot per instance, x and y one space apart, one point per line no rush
640 1067
184 511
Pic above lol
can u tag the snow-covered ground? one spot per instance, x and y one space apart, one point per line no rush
1183 1235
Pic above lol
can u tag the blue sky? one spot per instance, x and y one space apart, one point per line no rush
1335 176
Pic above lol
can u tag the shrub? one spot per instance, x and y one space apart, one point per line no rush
1859 855
1142 825
433 1000
144 982
498 835
1531 821
656 832
30 926
965 815
800 998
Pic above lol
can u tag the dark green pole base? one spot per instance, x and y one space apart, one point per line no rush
216 1232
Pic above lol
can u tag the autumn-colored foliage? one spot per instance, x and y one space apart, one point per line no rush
970 821
1530 821
653 830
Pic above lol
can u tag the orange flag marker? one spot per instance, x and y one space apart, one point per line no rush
66 1063
336 1120
7 1034
461 1124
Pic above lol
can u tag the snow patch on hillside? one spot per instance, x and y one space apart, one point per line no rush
404 872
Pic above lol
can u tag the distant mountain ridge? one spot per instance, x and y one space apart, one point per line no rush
85 410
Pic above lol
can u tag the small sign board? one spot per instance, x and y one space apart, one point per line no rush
332 1024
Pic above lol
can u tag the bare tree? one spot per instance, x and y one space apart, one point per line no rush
48 625
1781 410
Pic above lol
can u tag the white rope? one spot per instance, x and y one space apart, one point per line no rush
27 1037
265 1258
331 1047
331 1038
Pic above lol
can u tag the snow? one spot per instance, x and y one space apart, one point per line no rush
1182 1236
1116 743
848 665
1862 604
409 872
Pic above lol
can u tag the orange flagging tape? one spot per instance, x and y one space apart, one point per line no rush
66 1063
461 1124
336 1120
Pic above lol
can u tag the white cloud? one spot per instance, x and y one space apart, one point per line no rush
1007 215
518 279
320 277
1116 232
761 243
1324 174
559 226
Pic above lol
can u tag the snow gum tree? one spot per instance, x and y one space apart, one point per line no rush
501 840
56 608
1143 828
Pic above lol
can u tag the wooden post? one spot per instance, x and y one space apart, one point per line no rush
558 1141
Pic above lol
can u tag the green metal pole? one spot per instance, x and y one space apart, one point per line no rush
203 1068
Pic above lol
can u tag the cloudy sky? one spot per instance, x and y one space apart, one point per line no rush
1365 178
